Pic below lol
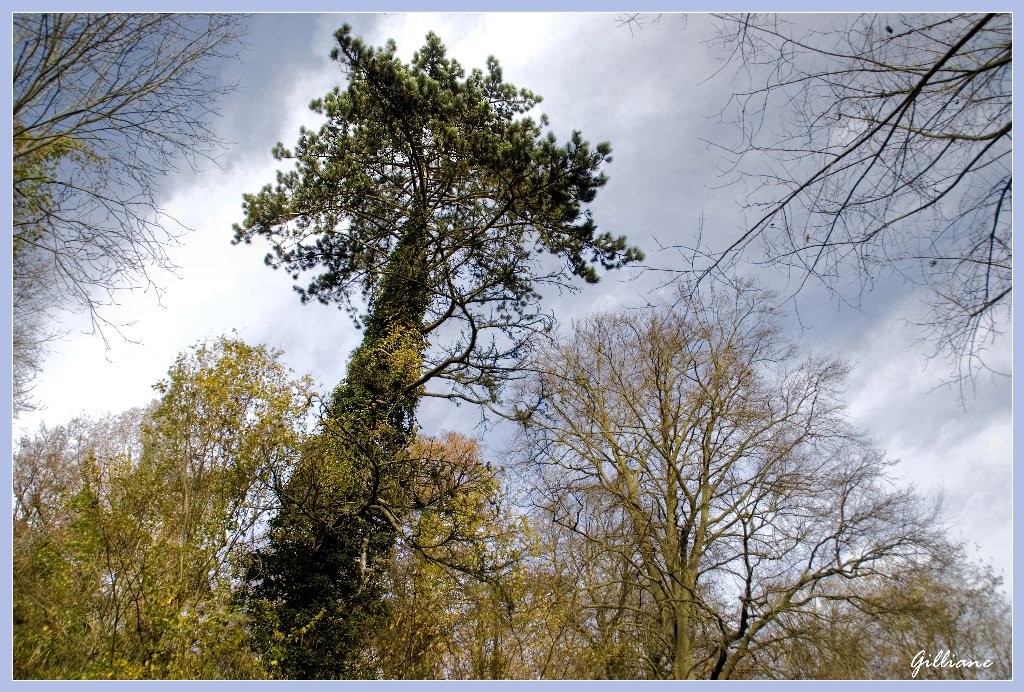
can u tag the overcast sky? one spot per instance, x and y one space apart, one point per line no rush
642 91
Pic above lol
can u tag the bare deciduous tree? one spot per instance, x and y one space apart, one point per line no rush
713 471
878 145
104 106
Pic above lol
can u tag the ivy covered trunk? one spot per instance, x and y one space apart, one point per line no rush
338 525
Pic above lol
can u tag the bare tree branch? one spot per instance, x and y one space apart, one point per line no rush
105 105
873 146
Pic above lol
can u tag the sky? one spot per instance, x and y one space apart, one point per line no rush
644 91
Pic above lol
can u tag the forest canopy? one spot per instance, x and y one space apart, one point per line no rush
697 505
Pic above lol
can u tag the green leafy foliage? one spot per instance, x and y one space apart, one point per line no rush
127 530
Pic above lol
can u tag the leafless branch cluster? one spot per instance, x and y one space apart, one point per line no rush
638 21
104 106
878 145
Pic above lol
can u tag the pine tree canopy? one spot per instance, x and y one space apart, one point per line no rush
443 185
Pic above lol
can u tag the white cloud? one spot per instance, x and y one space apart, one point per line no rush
961 450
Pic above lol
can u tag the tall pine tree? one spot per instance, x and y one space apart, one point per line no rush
431 200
